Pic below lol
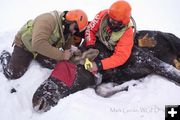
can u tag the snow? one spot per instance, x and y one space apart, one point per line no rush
145 101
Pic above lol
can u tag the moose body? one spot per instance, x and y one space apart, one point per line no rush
160 57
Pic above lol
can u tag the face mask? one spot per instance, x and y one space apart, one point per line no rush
71 27
74 28
115 25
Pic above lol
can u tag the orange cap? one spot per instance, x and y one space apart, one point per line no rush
120 11
79 17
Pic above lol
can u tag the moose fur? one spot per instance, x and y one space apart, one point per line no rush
154 52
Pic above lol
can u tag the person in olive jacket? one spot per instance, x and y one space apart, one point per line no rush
47 39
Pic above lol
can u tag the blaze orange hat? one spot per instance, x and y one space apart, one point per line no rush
120 11
79 17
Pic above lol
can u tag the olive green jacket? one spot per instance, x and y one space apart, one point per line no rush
43 27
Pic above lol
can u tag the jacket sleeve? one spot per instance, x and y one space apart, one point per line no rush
43 28
92 29
122 51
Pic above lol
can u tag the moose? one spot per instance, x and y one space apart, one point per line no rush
154 52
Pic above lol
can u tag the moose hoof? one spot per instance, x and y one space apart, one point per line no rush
106 89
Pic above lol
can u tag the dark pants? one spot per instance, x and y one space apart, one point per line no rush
15 65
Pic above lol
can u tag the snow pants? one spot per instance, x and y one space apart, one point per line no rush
15 65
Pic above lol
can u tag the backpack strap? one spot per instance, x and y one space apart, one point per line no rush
134 26
59 21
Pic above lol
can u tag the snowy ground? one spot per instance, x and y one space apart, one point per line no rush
146 101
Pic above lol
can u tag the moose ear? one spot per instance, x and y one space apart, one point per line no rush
177 64
147 41
91 54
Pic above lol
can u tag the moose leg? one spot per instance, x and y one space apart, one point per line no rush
161 68
134 68
139 65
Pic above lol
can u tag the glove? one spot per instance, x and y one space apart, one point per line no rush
67 54
90 66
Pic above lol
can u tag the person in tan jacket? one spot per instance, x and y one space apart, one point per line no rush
47 39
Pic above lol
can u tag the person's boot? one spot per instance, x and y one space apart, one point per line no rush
5 57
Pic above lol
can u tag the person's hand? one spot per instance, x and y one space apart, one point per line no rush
94 68
67 54
77 52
